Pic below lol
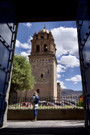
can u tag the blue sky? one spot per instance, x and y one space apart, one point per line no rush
65 35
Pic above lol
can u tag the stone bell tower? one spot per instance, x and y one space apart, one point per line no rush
44 64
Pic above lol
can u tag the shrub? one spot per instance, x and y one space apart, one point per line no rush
80 103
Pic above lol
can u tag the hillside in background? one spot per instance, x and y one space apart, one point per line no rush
68 92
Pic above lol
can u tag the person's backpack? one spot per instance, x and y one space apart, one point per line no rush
36 100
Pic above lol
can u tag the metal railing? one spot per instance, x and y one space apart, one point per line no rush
64 102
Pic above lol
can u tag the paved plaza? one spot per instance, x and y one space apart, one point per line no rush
62 127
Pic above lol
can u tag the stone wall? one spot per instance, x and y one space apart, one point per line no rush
44 71
47 114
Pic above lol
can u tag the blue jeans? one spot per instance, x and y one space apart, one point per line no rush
35 113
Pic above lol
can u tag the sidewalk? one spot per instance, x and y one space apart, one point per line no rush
62 127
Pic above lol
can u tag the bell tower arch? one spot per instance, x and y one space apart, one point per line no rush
44 64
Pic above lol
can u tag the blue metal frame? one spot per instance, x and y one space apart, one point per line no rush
6 64
7 45
83 28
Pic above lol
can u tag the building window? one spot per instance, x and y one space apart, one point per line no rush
41 75
42 37
37 48
38 91
48 71
45 48
36 36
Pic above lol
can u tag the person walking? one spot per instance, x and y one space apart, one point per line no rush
35 104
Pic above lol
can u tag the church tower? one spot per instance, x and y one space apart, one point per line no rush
44 64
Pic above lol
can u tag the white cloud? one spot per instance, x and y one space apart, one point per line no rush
75 79
69 61
66 41
62 84
58 76
22 45
60 68
17 43
25 54
27 25
29 51
29 40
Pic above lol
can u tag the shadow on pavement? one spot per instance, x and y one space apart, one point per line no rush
61 131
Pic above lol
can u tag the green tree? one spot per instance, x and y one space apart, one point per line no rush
80 103
22 78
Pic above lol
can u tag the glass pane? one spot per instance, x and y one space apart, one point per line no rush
85 23
88 103
5 32
4 55
0 103
87 74
84 30
86 52
2 80
11 24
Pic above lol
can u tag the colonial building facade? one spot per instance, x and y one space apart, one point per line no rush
44 65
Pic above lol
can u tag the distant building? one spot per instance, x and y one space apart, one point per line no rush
58 91
44 65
